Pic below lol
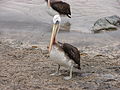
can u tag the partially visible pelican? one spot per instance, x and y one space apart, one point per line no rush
59 7
63 54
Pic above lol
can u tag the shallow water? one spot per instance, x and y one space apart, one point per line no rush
84 12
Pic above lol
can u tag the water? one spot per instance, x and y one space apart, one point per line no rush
30 16
84 12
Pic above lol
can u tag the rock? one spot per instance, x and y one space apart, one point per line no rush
107 23
114 20
33 47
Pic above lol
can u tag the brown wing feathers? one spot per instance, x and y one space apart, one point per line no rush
72 53
62 7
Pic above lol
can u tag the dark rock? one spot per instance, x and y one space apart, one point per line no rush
106 24
114 20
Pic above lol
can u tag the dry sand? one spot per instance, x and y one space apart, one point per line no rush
30 69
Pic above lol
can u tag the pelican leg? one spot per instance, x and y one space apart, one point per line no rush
57 72
70 76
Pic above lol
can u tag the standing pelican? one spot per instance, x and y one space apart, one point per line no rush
59 7
63 54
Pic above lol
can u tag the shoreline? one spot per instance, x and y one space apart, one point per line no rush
107 43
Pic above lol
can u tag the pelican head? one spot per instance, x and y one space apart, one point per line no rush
56 19
55 29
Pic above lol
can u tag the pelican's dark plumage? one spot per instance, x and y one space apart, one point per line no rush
61 7
72 52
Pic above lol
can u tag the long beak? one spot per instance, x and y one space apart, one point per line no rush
53 35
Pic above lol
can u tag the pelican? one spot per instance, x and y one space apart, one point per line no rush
59 7
62 54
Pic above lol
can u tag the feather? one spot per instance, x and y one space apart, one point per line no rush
62 7
72 52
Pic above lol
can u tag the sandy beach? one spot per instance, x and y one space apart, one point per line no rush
25 29
30 68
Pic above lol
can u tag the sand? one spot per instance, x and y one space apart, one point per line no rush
30 68
25 29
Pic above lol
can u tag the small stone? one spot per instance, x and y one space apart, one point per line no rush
33 47
83 54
